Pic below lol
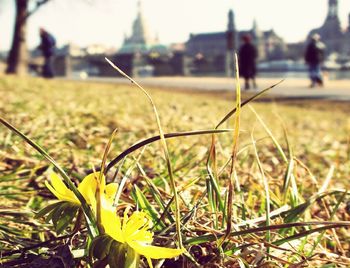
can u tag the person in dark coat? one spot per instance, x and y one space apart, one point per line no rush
47 47
314 56
247 61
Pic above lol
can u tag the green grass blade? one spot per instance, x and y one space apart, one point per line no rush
211 238
320 236
156 194
267 192
232 112
165 151
295 193
87 211
125 178
268 131
294 213
145 205
308 232
145 142
231 180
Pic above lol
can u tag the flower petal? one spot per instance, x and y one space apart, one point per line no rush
58 184
59 195
142 236
88 188
111 190
112 224
59 189
137 221
155 252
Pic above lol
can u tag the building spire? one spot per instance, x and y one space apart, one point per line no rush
139 7
255 29
255 24
332 8
231 21
139 28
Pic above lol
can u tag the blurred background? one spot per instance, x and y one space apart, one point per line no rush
172 38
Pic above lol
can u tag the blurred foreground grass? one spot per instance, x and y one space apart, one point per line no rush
73 121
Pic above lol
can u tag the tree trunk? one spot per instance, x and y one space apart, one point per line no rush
17 60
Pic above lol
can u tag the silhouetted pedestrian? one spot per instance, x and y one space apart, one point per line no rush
247 61
47 47
314 56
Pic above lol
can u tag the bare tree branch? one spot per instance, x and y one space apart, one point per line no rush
39 3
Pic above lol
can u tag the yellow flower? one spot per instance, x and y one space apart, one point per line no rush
87 188
134 232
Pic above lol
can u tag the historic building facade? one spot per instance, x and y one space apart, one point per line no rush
140 40
206 53
209 50
336 39
143 55
203 53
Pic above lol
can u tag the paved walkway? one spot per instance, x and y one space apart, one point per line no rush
290 87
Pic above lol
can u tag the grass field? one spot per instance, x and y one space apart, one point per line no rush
299 163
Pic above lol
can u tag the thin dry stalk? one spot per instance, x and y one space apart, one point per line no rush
165 150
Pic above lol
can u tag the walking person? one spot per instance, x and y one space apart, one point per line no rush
247 61
314 56
47 47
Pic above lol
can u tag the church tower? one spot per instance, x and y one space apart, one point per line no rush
231 21
332 9
256 33
258 39
139 40
331 29
140 34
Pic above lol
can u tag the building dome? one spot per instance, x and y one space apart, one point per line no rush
133 49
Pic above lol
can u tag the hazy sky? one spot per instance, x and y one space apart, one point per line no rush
84 22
